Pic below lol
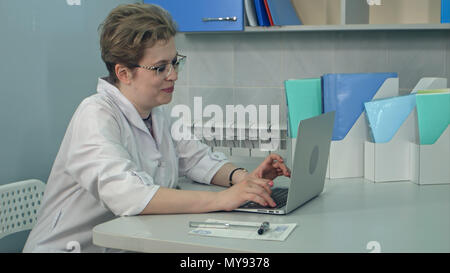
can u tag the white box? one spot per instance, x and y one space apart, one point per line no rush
290 151
398 160
347 155
430 83
384 162
431 163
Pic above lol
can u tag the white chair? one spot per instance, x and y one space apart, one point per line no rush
19 204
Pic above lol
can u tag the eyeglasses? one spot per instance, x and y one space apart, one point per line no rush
164 70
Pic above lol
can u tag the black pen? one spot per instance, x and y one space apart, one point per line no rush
263 228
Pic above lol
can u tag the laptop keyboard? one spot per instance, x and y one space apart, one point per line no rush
279 196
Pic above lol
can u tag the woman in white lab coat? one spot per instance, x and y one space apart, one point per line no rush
118 156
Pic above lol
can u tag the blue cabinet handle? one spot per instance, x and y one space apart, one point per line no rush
234 18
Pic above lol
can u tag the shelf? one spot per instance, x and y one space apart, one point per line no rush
356 27
348 27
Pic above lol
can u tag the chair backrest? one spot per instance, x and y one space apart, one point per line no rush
19 204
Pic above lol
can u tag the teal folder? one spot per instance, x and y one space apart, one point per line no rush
433 115
430 91
304 100
386 116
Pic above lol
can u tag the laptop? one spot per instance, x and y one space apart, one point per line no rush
308 170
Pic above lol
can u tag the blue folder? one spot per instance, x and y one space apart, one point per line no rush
386 116
261 13
283 13
445 11
346 94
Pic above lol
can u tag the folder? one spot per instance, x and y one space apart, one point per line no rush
250 12
283 13
433 113
445 11
346 94
430 83
431 91
430 161
347 154
269 15
261 13
386 116
304 100
391 122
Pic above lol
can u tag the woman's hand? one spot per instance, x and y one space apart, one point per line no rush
272 167
254 186
249 189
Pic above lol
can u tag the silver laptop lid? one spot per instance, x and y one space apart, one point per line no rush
310 159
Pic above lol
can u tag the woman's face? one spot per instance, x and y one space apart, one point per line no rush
149 89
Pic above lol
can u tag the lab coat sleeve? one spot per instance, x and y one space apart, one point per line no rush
195 159
98 161
197 162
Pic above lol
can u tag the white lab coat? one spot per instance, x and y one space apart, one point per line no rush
109 165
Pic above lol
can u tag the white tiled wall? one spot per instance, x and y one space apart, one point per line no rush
250 68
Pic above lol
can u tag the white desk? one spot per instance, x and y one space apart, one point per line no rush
400 216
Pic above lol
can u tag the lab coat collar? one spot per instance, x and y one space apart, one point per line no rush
128 109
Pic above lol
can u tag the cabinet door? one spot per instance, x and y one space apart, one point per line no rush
204 15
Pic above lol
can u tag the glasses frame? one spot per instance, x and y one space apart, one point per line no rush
180 59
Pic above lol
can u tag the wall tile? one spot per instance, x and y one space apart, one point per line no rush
212 95
183 49
307 54
360 52
417 54
257 60
181 96
210 60
263 96
249 68
447 60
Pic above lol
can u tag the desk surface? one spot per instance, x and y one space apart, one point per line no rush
350 213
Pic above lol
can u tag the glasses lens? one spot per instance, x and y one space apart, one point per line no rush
179 64
160 69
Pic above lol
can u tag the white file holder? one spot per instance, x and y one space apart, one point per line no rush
290 148
395 160
430 83
391 161
347 155
431 163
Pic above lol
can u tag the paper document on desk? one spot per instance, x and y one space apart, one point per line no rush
277 232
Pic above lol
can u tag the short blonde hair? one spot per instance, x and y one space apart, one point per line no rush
128 30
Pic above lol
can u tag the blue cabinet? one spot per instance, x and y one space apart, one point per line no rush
205 15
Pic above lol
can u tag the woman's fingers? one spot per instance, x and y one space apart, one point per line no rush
261 198
272 158
282 166
265 183
258 199
259 191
